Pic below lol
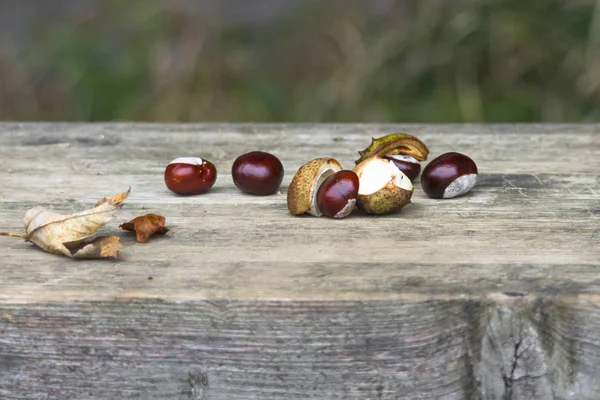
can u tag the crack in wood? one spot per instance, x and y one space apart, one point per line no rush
508 380
512 350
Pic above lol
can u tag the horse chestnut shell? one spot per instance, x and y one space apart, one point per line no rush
383 188
190 175
302 192
407 164
449 175
337 194
257 172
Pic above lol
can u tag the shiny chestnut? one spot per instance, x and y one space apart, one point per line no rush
190 175
449 175
337 194
407 164
257 172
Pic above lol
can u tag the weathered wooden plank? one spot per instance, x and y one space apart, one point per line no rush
292 349
263 350
493 295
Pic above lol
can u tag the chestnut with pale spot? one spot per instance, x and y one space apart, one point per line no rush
449 175
188 176
336 197
302 192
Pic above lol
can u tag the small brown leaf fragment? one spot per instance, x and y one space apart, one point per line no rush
145 226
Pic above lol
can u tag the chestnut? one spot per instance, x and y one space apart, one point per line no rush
383 188
405 163
337 194
449 175
190 175
302 192
257 172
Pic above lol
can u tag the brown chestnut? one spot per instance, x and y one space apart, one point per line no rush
190 175
407 164
257 172
449 175
302 192
337 194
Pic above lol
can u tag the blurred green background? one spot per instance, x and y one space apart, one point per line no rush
300 60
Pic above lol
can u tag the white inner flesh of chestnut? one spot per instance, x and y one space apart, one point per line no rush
403 157
188 160
460 186
325 171
379 173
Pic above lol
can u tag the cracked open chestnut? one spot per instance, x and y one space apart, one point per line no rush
336 197
449 175
257 173
302 192
383 188
190 175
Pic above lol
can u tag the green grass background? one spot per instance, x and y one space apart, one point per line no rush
425 61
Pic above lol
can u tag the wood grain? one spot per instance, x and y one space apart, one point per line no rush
494 295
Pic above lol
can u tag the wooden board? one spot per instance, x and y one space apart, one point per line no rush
495 295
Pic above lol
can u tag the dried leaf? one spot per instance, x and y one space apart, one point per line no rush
145 226
66 234
395 143
100 247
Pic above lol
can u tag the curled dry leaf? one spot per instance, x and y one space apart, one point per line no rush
67 234
145 226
